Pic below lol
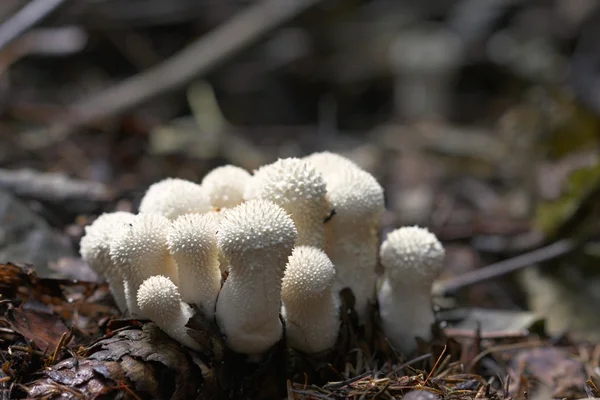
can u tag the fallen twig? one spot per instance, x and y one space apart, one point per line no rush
51 187
504 267
25 18
196 59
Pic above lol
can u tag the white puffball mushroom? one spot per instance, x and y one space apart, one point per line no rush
257 238
352 233
173 197
141 252
412 258
310 306
298 188
95 251
225 185
192 241
328 163
158 299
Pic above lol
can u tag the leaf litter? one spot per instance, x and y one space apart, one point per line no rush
64 339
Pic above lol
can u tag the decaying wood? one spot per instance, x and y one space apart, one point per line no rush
52 187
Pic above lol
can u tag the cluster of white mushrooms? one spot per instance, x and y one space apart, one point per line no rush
290 236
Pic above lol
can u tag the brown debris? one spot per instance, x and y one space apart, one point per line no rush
84 352
137 363
41 329
552 367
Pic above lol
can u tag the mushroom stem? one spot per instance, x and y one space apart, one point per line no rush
354 253
256 237
406 313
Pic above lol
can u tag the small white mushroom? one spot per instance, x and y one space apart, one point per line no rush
141 252
412 258
225 185
310 307
256 237
298 188
192 241
352 233
95 250
173 197
158 299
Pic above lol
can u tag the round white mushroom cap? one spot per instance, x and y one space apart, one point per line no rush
356 196
329 163
309 275
95 250
310 307
192 241
256 237
173 197
297 187
412 255
141 252
351 190
225 185
158 299
257 226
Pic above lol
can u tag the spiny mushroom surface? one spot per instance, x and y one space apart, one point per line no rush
159 300
257 238
216 217
298 188
352 234
225 185
192 241
328 163
141 252
412 258
95 250
310 307
173 197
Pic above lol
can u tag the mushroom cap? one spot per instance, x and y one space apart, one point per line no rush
158 297
287 181
309 274
193 238
412 255
94 246
353 192
173 197
329 163
225 185
256 225
297 187
356 196
142 251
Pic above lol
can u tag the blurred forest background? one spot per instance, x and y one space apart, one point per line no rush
479 118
